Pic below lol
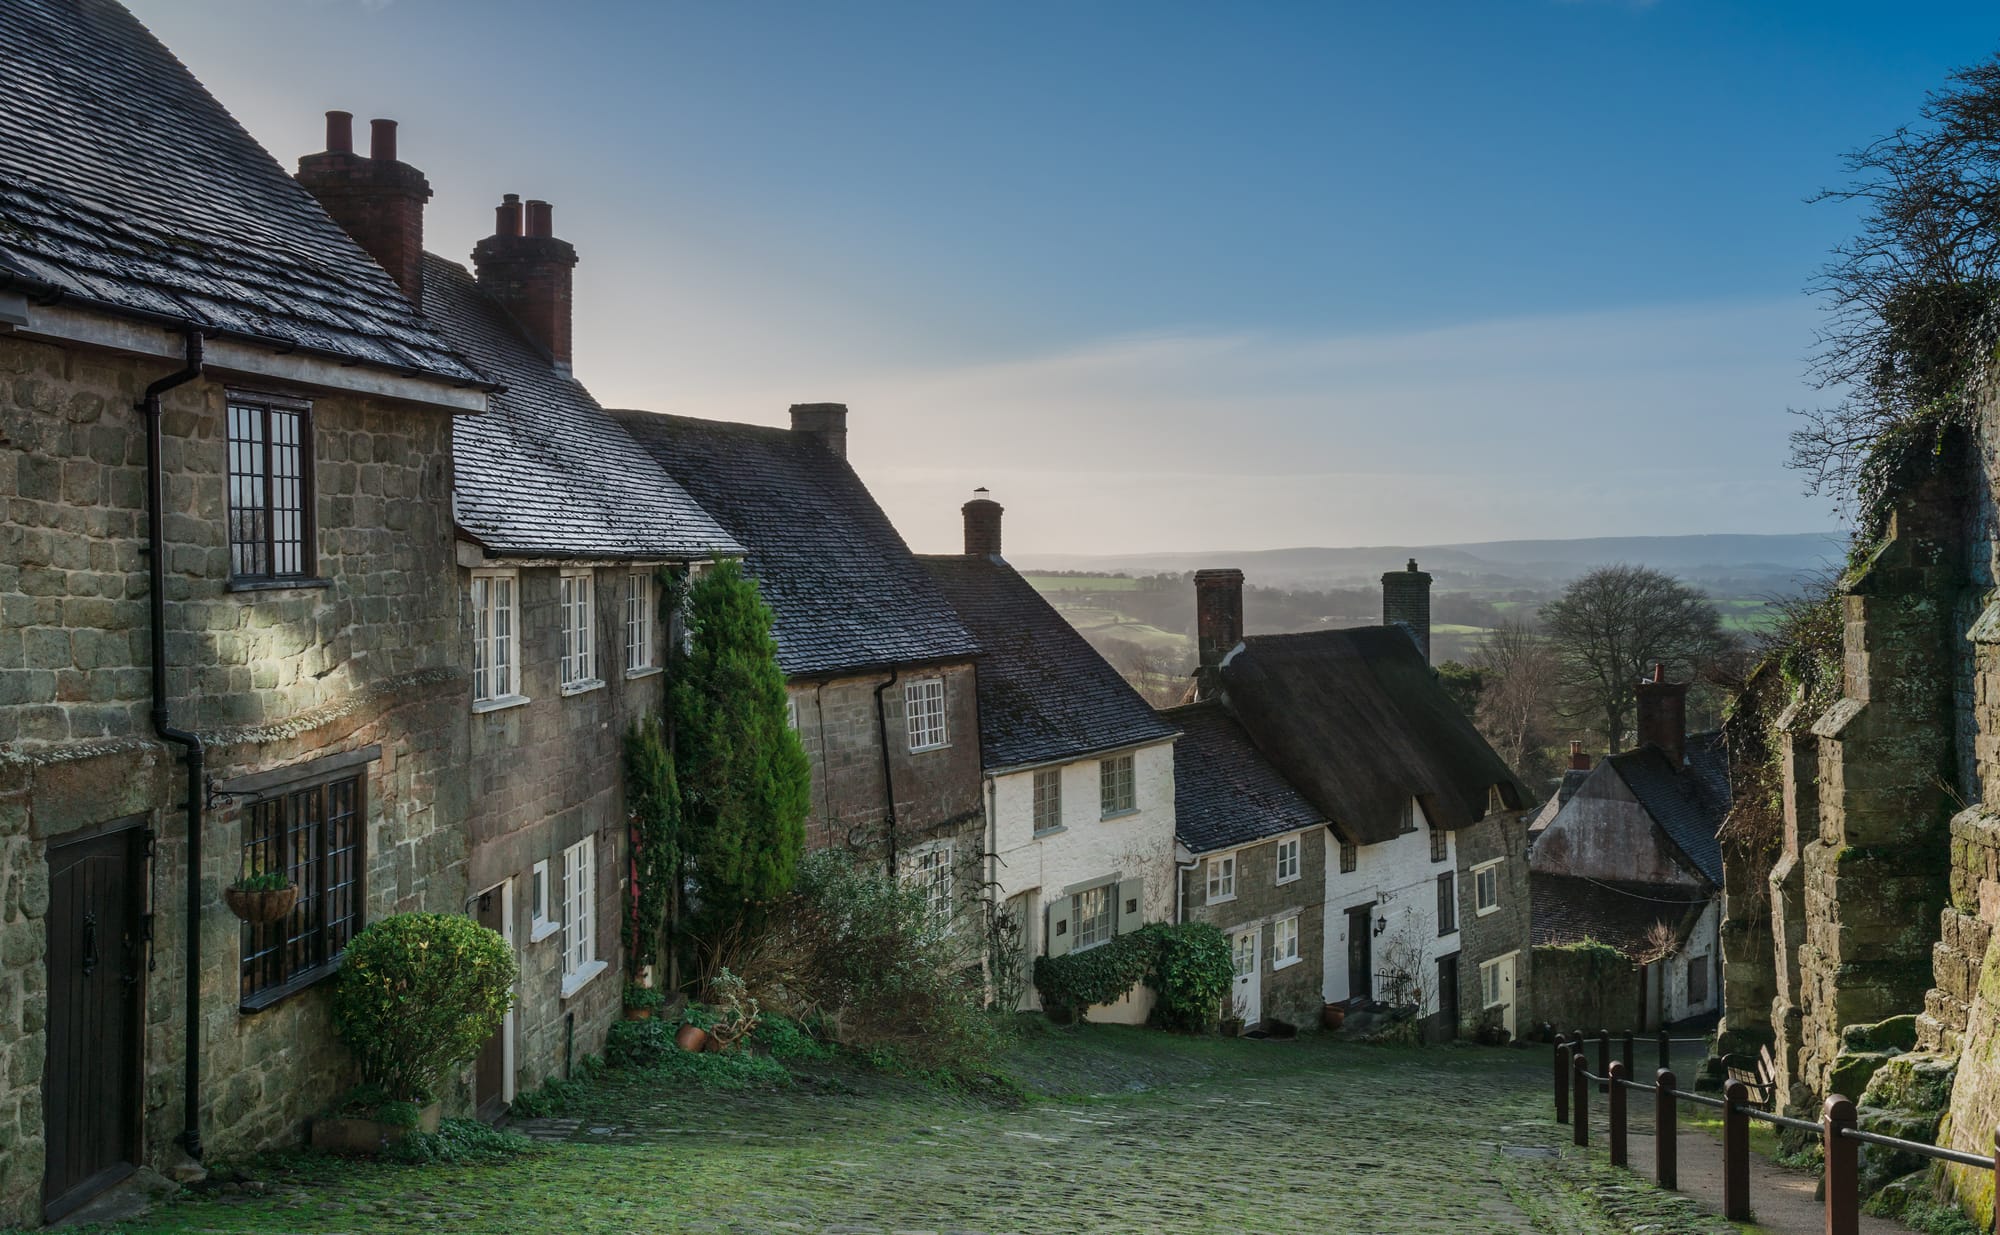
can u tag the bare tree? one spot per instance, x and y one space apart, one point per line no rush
1907 295
1517 704
1611 626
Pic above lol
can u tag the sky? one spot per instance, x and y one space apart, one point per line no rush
1162 276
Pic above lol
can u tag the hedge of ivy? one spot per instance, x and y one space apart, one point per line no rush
1188 966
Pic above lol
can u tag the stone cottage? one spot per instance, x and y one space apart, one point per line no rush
1425 874
231 637
1079 771
562 526
878 667
1631 859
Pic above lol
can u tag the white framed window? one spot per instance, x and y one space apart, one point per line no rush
930 872
1222 878
1285 942
1486 887
496 663
1491 992
579 628
1048 799
1117 786
1091 911
1288 860
544 919
923 710
1440 844
638 623
1350 857
792 714
579 920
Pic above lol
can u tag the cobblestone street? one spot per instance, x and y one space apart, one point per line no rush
1138 1132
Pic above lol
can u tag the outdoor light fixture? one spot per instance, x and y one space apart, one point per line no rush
1381 924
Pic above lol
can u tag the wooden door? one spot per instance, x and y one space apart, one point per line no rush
96 959
1361 952
1249 990
490 1077
1448 995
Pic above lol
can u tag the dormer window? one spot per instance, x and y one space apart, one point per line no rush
270 490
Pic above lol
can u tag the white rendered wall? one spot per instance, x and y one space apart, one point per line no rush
1087 850
1400 880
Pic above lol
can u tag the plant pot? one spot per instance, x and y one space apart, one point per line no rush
691 1038
349 1134
1332 1016
262 907
638 1014
1231 1026
717 1043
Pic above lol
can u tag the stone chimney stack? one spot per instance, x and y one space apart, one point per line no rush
1218 616
1663 715
1578 761
982 525
377 200
524 267
1406 601
824 421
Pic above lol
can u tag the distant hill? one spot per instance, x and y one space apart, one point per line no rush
1728 565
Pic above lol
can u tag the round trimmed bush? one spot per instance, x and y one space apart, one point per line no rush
418 996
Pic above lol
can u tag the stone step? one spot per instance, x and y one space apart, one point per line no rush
1935 1035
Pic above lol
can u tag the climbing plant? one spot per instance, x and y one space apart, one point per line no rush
653 803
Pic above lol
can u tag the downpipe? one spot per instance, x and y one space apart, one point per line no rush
194 756
888 772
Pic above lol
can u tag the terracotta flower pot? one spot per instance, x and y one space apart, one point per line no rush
638 1014
262 907
1332 1016
691 1038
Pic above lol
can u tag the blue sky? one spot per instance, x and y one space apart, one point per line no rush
1166 276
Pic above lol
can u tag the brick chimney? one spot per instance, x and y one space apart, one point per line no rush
1663 715
527 270
982 525
1406 601
377 200
824 421
1218 617
1578 761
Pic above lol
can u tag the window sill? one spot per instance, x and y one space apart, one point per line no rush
576 981
498 703
1119 814
649 671
1053 830
1448 934
583 688
1288 879
1489 909
1277 965
275 585
542 930
1220 900
925 750
272 996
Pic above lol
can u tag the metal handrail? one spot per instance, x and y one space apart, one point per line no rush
1940 1152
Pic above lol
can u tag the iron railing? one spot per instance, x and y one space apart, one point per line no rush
1840 1139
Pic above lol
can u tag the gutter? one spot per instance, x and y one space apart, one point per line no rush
888 775
194 754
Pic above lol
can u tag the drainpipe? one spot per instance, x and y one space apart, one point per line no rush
888 775
194 755
1181 871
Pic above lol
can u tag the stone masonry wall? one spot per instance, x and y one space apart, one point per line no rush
1510 928
270 678
1290 994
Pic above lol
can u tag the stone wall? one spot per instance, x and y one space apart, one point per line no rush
1584 988
1290 994
1501 836
270 678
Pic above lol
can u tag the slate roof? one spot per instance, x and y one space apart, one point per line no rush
1044 693
1226 793
1569 909
1358 721
125 185
847 593
1572 780
1689 806
546 472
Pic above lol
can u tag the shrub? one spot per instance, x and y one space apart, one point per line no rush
1077 980
644 998
648 1046
1192 971
458 1142
785 1038
418 996
863 955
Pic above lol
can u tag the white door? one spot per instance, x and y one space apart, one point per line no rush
1496 980
1249 993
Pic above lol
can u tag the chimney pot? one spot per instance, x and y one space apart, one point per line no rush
382 140
507 216
530 275
826 422
541 218
982 524
1218 621
1578 761
340 132
1406 601
1662 715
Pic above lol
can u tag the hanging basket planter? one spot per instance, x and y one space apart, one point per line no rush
261 908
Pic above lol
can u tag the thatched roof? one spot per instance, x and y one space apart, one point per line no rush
1358 721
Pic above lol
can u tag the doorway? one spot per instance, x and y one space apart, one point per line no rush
1448 996
1249 991
1496 985
96 959
493 1075
1361 952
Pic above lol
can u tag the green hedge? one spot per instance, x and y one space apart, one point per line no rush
1188 966
418 996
